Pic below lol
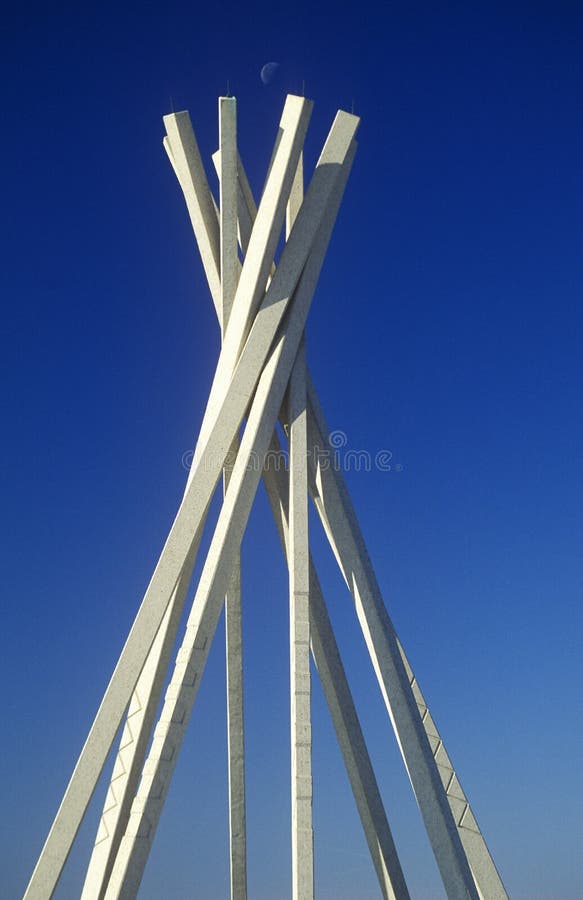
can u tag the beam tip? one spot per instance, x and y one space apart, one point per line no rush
294 99
172 116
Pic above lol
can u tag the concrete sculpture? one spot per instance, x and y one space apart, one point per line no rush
261 376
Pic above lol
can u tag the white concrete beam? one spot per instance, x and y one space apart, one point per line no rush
144 702
299 592
230 268
485 874
184 155
191 176
132 748
228 205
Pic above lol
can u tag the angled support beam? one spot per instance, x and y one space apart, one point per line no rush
485 873
228 206
192 656
179 550
182 150
300 679
132 747
185 157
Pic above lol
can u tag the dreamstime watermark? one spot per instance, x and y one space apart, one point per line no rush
336 455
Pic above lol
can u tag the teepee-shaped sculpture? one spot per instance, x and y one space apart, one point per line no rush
261 376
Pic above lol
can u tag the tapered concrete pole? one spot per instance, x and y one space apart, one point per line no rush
188 167
485 873
299 593
233 624
228 206
182 149
201 625
300 689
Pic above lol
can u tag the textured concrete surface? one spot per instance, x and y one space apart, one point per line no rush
230 269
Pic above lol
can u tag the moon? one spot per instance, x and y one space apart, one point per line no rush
268 71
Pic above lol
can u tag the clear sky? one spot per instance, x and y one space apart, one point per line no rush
446 330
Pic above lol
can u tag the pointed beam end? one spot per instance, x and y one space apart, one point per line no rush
347 117
294 100
172 117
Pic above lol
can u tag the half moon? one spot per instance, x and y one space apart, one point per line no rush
268 71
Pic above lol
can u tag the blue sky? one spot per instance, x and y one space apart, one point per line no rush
447 329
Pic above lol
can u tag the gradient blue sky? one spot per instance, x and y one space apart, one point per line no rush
447 329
